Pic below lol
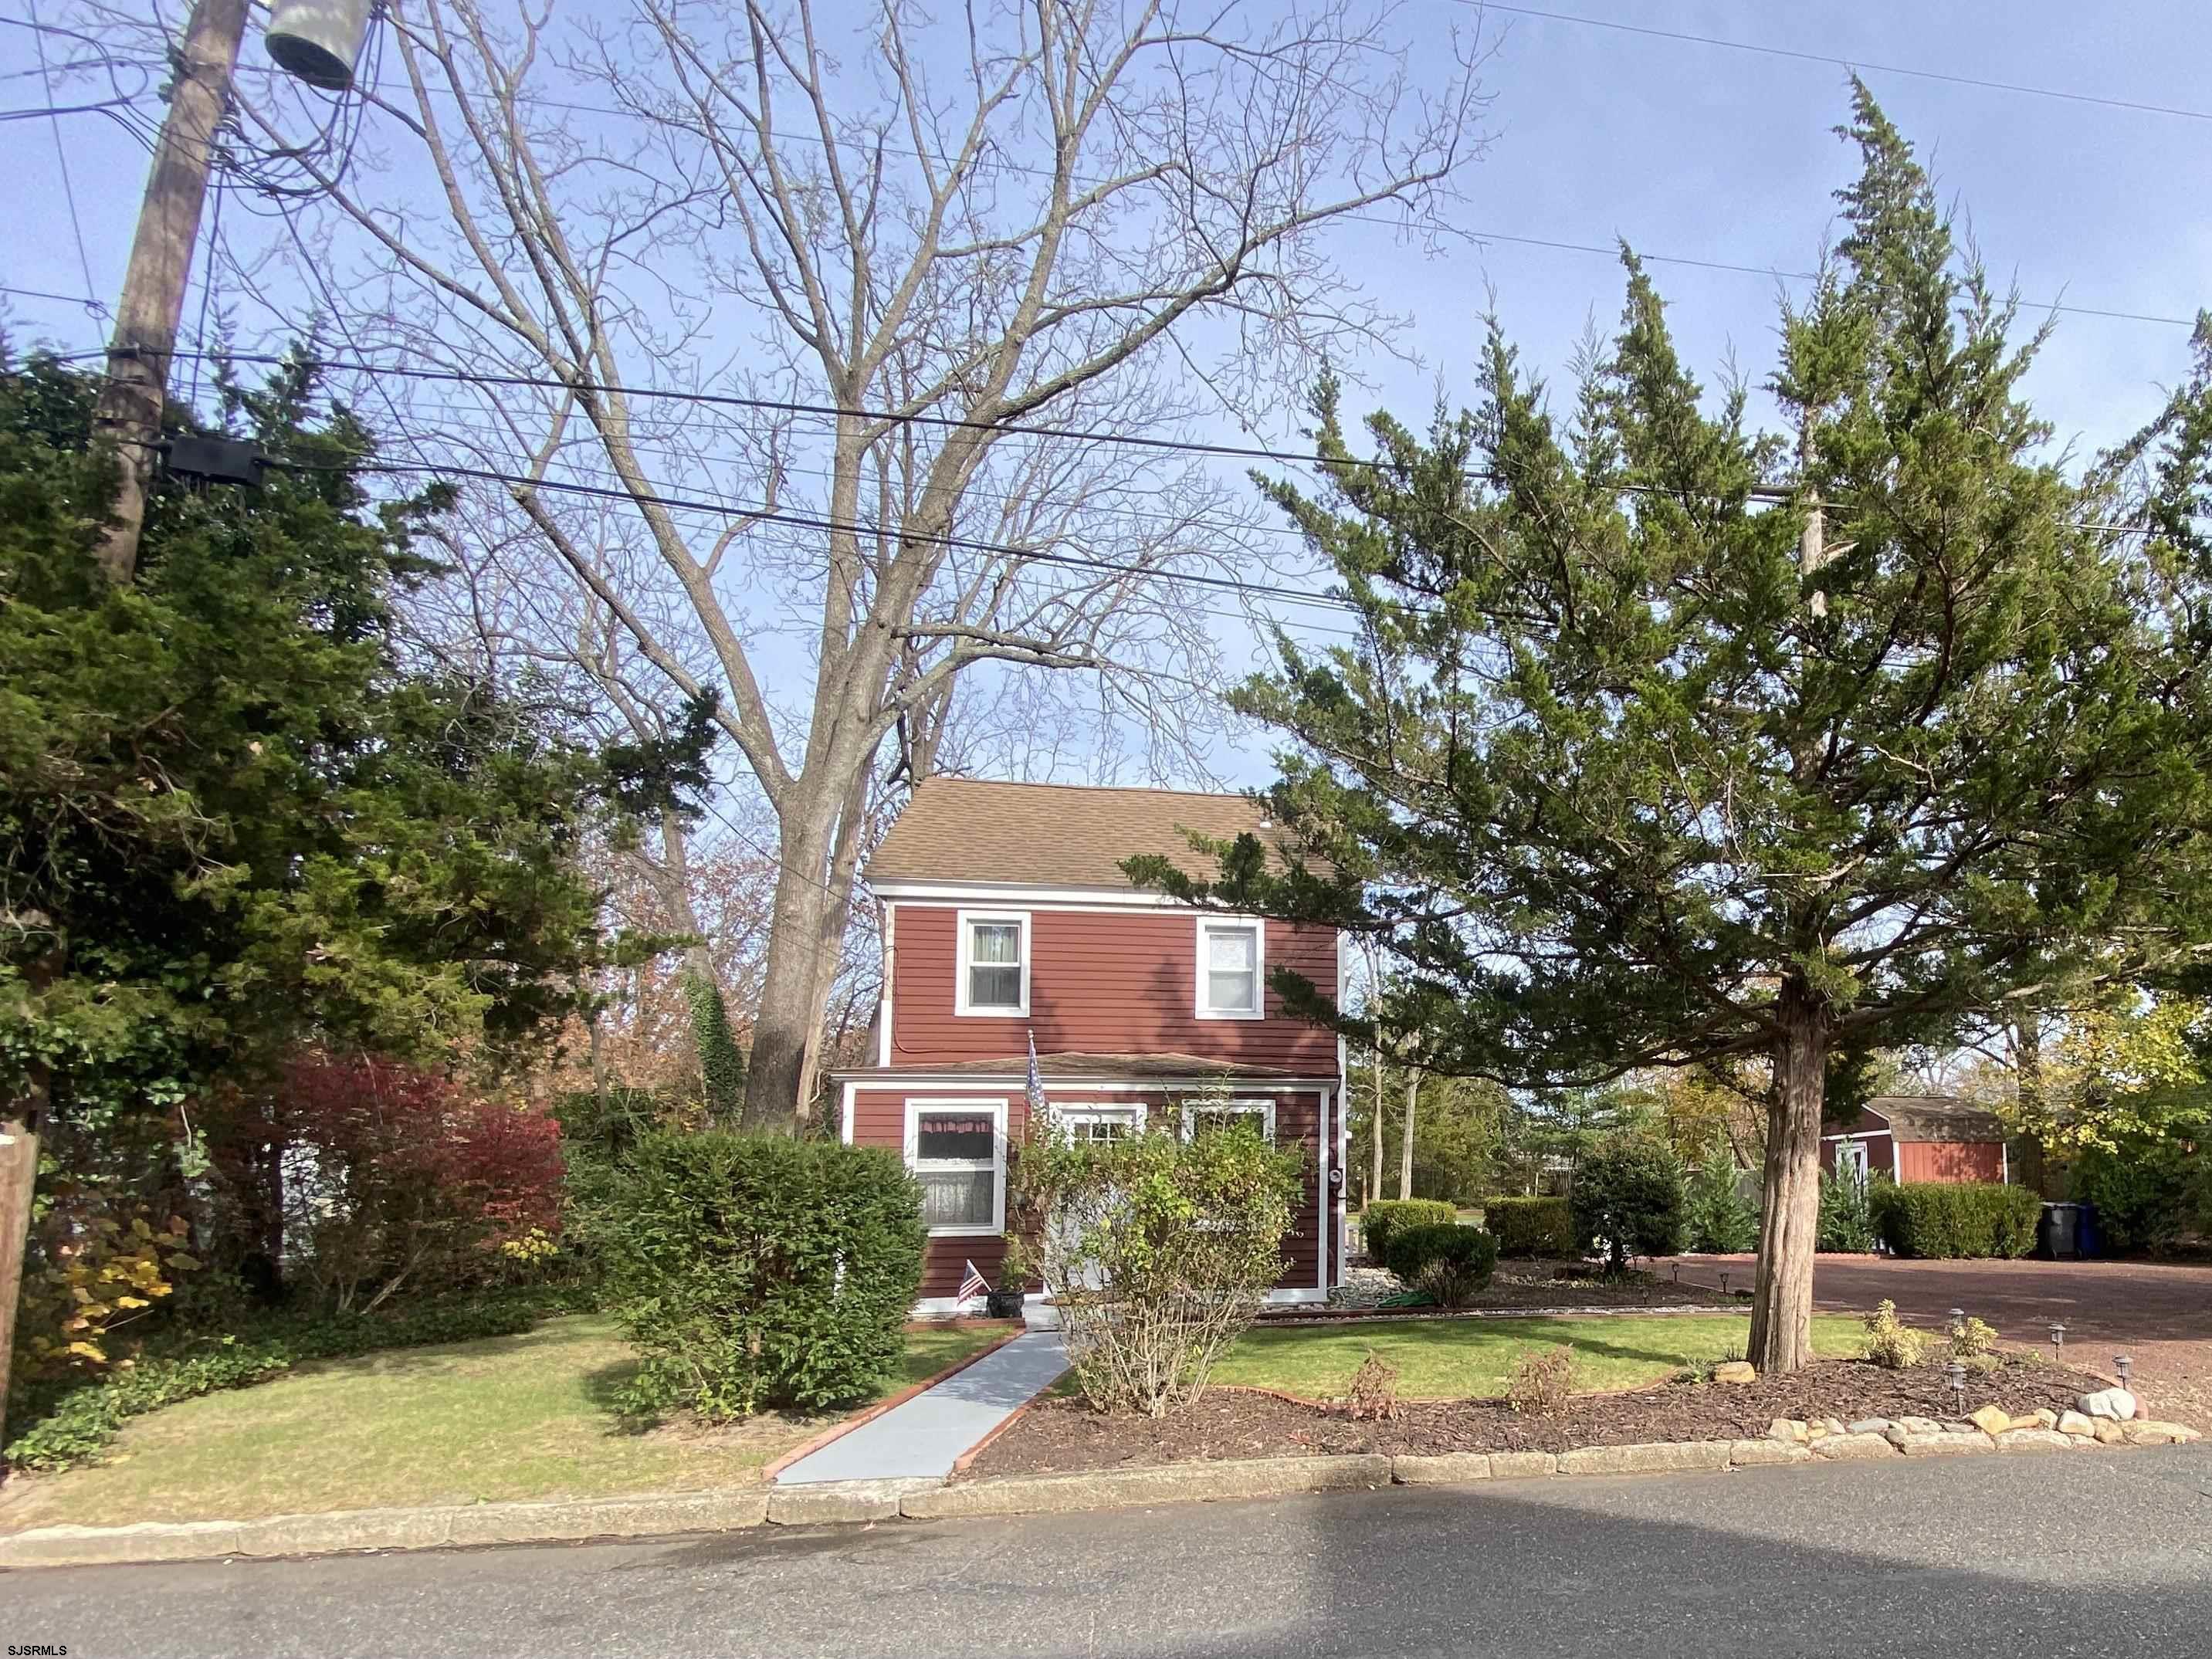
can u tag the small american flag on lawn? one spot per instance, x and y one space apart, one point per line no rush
971 1285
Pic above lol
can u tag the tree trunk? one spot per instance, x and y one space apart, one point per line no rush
19 1169
2033 1169
1790 1207
1406 1137
1375 1180
788 1034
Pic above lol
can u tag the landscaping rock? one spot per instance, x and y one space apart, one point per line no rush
1737 1371
2034 1439
2148 1431
1440 1469
1940 1442
818 1503
2045 1418
1755 1454
2073 1422
1992 1421
1787 1429
1919 1425
1070 1494
1833 1426
2109 1433
1844 1448
2117 1405
1519 1465
1867 1426
1657 1458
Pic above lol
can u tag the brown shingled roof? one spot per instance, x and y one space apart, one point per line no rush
1936 1117
1053 835
1132 1067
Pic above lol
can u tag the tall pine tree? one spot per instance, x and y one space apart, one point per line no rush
1670 740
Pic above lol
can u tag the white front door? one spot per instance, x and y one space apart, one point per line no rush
1091 1124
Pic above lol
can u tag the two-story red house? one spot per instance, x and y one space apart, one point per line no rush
1005 917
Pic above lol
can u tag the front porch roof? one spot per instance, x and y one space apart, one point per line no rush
1120 1068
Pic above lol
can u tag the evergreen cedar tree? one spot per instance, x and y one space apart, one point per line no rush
239 811
1619 794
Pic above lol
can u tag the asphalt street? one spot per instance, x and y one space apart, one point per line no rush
2091 1553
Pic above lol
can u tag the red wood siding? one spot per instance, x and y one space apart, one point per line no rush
1102 982
1951 1160
1880 1150
879 1119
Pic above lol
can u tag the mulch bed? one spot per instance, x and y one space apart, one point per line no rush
1543 1284
1061 1436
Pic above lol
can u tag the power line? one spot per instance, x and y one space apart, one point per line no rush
1609 250
84 300
61 153
810 521
1836 62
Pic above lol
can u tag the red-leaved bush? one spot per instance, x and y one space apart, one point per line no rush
362 1177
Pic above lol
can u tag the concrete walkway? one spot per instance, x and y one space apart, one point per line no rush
921 1439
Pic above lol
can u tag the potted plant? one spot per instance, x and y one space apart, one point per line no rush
1006 1301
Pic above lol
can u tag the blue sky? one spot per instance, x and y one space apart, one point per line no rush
1685 149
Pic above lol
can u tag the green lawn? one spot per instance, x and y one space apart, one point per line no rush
510 1417
1462 1359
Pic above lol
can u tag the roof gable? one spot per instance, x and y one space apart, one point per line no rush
1052 835
1936 1117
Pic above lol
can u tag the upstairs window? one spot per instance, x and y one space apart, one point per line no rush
958 1152
994 963
1229 970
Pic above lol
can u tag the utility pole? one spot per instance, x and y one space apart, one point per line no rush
128 417
128 413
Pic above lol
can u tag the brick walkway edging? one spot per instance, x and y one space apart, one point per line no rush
652 1515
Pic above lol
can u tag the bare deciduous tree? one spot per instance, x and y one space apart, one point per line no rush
907 241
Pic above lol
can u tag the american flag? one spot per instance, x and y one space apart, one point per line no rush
1036 1083
971 1285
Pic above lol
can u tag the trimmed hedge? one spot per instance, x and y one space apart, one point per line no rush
1944 1220
755 1272
1452 1263
1384 1216
1531 1226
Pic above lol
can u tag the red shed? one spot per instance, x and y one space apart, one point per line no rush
1920 1138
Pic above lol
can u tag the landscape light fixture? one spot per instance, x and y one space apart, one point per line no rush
2123 1364
1956 1371
2058 1343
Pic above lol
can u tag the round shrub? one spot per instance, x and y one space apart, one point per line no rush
755 1272
1384 1216
1452 1263
1629 1192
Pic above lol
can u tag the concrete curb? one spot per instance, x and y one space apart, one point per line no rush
866 1502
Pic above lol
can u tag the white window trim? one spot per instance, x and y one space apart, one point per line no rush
1264 1108
1061 1116
960 1003
1258 929
997 1111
